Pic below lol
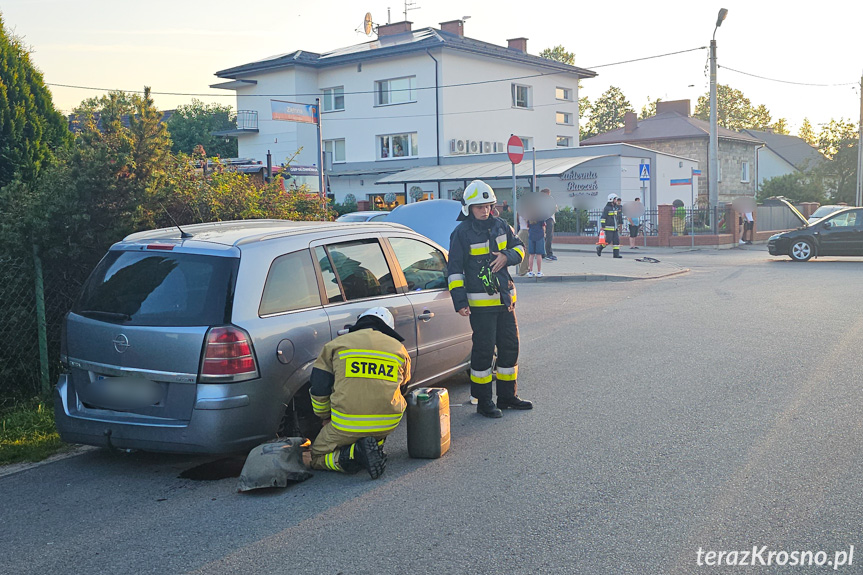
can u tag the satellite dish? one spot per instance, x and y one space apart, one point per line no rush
367 24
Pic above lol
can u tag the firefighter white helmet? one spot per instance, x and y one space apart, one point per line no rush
476 193
612 197
382 313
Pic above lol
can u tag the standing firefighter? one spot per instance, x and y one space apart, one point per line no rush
481 248
356 387
611 220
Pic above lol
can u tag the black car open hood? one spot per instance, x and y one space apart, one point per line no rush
803 221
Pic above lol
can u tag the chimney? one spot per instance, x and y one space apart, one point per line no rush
679 106
453 27
519 44
394 28
630 122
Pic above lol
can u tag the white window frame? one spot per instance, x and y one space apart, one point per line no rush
388 140
568 140
528 100
566 96
332 146
527 143
330 97
567 118
744 172
405 95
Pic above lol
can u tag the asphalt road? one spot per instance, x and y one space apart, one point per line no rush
716 410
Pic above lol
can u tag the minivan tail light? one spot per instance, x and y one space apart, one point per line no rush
228 356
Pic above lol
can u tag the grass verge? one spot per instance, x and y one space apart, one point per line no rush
27 432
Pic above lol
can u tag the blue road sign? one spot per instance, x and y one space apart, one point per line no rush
644 172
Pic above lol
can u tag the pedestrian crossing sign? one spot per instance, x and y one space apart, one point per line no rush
644 172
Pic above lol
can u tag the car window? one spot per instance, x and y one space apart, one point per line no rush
378 217
164 289
291 284
353 218
424 266
844 220
360 268
331 282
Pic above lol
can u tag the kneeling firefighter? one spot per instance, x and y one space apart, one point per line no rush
356 387
481 247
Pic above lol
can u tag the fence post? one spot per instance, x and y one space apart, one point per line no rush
41 323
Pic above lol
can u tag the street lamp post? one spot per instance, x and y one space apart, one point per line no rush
713 148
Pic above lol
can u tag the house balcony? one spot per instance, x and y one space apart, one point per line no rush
246 123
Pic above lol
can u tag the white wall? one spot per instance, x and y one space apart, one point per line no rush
673 168
771 165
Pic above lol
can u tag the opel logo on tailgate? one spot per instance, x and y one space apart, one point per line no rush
121 343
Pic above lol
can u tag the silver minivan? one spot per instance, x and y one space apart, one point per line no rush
202 340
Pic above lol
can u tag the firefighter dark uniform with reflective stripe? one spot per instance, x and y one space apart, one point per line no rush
356 388
481 248
610 222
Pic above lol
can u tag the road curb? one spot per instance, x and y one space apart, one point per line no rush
594 277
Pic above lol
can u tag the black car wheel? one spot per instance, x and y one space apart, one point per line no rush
801 250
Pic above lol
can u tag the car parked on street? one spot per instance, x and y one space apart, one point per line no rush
203 340
362 217
838 234
823 211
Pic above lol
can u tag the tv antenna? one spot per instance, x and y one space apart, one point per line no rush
410 6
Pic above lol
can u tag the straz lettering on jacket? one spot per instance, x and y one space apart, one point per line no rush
371 364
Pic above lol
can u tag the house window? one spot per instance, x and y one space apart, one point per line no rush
334 99
398 146
527 143
744 172
521 96
395 91
564 141
336 148
563 94
564 118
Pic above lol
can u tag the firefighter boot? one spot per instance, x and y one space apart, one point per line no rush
507 398
617 253
371 456
485 405
599 249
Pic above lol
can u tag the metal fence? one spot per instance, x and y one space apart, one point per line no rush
586 223
776 217
700 221
33 301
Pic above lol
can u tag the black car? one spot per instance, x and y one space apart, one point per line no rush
839 234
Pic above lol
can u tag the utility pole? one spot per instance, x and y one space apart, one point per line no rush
713 147
860 149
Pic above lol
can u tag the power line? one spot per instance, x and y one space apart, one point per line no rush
788 81
457 85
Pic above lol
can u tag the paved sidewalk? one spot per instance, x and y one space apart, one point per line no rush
580 263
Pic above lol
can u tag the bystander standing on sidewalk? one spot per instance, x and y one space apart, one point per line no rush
535 246
747 220
634 223
549 230
522 236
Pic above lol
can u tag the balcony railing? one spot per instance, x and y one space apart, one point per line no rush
247 120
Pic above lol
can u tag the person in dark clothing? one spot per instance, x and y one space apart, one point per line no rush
481 248
611 221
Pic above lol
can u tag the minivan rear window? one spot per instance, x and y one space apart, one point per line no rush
160 289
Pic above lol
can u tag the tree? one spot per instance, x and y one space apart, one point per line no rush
796 186
192 125
780 126
558 54
807 133
607 112
30 128
735 111
838 142
649 109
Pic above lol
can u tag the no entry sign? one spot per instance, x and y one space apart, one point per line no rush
515 149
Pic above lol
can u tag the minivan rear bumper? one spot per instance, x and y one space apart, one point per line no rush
225 420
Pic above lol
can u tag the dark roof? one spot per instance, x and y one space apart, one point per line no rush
395 45
792 149
667 126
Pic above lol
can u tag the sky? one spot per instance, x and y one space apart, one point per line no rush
766 49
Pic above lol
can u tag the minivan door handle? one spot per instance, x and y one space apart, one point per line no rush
425 315
343 331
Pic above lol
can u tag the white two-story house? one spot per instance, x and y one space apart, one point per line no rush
407 99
